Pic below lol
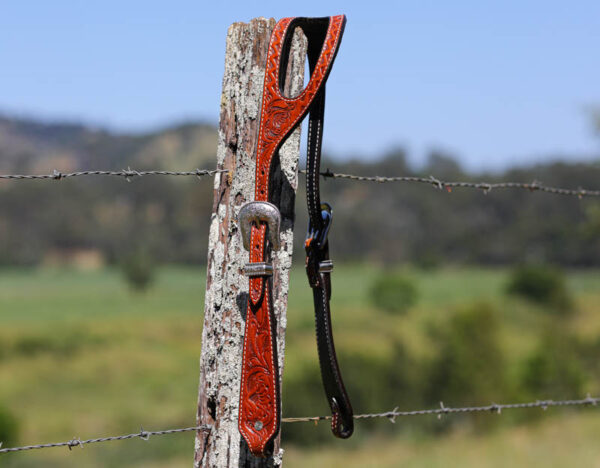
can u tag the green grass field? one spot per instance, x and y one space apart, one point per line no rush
81 355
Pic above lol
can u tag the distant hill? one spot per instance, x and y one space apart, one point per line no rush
35 146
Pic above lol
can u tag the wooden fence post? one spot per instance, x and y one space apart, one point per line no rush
226 287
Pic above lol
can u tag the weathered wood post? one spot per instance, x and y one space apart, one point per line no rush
226 286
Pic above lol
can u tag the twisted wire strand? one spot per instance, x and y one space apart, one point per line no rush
125 173
493 407
144 435
486 187
391 415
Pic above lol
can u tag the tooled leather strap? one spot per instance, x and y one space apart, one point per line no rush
259 409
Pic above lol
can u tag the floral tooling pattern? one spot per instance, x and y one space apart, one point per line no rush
259 393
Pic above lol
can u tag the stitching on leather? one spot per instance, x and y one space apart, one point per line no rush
313 199
308 149
324 62
284 24
321 68
274 397
241 411
331 352
313 82
334 25
332 30
242 429
327 319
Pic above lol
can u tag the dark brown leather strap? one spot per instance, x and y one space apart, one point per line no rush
259 411
318 270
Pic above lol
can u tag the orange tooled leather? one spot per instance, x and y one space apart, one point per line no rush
259 416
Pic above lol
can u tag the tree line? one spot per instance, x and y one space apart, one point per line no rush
168 218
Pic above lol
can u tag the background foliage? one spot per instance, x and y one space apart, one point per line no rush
388 223
82 355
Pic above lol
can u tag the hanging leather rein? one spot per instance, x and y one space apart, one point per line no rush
259 409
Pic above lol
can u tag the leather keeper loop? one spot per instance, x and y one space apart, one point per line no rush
326 266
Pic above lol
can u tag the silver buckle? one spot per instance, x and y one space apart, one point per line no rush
258 269
257 212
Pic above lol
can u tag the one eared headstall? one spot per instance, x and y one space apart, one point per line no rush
259 409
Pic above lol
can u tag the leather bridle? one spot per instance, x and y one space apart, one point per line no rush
259 409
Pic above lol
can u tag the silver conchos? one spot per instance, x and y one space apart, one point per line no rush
257 212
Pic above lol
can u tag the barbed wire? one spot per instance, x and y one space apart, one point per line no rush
486 187
125 173
76 442
442 410
391 415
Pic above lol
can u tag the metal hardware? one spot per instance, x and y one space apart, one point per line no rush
257 212
258 269
318 237
326 266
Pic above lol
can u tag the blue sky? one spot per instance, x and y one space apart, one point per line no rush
494 84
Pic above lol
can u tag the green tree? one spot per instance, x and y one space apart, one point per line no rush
554 369
9 427
139 270
542 284
393 293
469 367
